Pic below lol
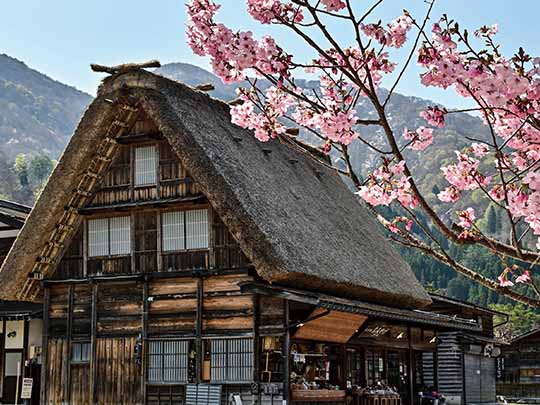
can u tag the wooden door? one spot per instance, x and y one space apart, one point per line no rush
12 368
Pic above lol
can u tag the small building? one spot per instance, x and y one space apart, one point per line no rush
12 217
466 360
518 369
180 260
20 322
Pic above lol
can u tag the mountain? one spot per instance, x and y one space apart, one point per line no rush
37 114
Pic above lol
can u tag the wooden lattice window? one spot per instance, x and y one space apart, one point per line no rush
231 360
109 236
168 361
185 230
145 165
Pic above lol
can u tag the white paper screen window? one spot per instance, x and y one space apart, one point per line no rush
185 230
173 231
98 237
109 236
120 235
145 165
197 229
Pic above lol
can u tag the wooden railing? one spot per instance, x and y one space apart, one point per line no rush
188 260
109 266
146 262
70 267
226 257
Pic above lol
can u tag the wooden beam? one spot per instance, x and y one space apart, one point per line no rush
286 355
126 67
66 363
144 335
132 242
25 344
85 247
93 345
211 242
256 348
198 330
159 261
44 347
2 355
410 370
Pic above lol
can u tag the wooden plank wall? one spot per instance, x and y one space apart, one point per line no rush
173 311
80 384
449 364
118 375
57 350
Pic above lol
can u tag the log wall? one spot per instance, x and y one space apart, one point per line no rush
120 317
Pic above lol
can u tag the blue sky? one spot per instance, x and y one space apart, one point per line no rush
62 37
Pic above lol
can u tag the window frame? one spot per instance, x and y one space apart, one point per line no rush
185 238
109 233
156 165
82 360
248 370
162 360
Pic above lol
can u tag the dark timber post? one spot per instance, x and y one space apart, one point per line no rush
256 396
45 347
436 363
2 354
144 340
198 342
286 354
93 345
66 364
410 367
25 353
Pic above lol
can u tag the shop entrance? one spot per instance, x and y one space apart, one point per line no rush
398 372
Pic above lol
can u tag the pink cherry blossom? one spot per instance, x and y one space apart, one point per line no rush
449 194
525 277
420 139
486 30
266 125
479 149
333 5
466 218
434 116
533 180
394 35
504 282
409 225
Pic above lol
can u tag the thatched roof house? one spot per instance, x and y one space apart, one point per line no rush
294 218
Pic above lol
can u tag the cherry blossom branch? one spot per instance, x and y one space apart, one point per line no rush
411 53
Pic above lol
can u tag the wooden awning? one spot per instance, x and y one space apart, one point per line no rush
336 326
361 308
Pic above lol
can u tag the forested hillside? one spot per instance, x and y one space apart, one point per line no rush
37 116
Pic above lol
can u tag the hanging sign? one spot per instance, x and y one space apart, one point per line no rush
26 392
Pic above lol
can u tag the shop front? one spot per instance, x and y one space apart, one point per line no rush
349 352
380 363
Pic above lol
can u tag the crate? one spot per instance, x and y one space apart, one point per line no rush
318 395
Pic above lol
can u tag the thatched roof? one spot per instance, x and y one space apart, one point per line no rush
294 218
